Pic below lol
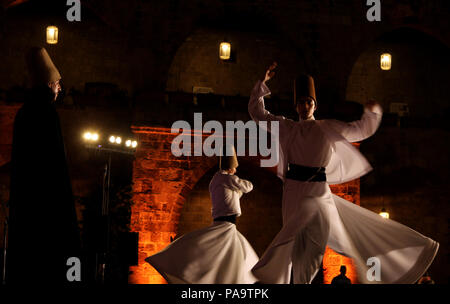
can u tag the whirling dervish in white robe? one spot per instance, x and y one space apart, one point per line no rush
312 155
219 253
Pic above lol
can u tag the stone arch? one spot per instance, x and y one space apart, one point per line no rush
161 183
420 62
196 62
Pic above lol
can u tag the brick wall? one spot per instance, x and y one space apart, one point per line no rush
162 183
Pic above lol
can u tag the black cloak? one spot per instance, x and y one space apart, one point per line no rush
43 227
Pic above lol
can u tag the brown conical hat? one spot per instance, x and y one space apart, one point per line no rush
304 87
41 67
228 161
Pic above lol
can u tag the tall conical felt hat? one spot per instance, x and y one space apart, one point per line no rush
41 67
228 161
304 87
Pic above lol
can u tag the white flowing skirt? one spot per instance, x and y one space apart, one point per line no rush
313 221
218 254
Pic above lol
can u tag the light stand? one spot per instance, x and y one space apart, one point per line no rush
102 258
5 240
105 216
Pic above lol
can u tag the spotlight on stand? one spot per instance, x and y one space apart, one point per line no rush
90 136
131 143
114 143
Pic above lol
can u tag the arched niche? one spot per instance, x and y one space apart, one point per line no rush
420 65
197 63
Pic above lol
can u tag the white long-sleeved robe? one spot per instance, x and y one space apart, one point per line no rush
226 190
217 254
313 217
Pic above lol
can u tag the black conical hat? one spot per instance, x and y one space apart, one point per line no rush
304 87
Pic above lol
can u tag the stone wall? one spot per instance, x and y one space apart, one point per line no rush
153 45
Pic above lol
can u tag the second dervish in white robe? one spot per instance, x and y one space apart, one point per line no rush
217 254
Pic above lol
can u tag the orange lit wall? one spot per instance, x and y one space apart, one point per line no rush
162 183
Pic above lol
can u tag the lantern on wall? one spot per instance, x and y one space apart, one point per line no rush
384 214
224 50
52 34
386 61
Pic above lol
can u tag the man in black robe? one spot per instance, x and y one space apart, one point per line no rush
43 230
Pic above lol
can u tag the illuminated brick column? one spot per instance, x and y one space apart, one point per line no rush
162 182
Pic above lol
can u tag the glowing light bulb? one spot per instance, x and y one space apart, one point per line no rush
386 61
224 51
384 214
87 136
52 34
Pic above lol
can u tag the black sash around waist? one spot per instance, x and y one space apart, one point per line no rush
306 174
228 218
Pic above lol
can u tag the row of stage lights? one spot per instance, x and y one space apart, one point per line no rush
117 140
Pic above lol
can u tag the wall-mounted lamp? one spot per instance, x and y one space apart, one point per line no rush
224 50
385 61
115 139
52 34
384 214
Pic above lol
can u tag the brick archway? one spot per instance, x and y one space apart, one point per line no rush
161 185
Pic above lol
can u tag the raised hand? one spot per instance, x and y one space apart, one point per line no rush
270 72
371 105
